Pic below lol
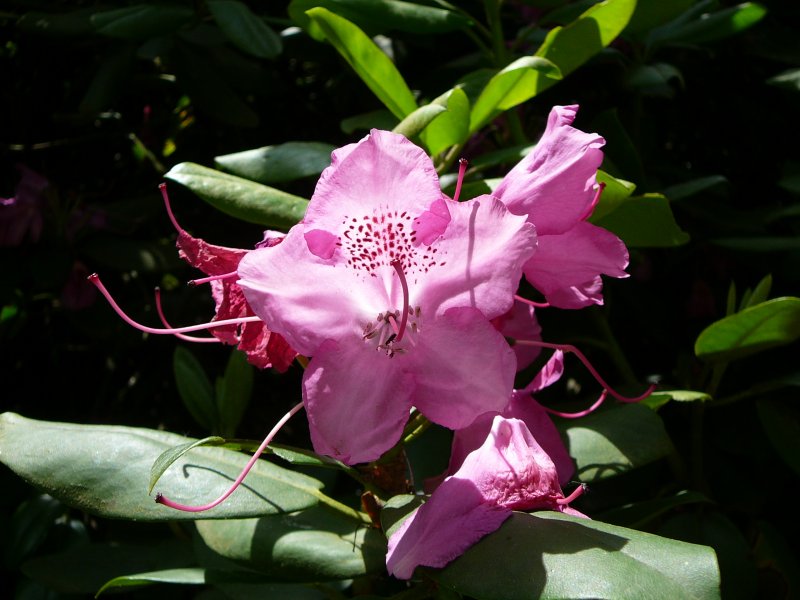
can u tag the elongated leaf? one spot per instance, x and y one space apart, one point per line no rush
239 197
168 457
640 513
781 421
186 576
550 555
84 569
105 470
195 388
367 60
614 441
757 295
513 85
766 325
644 222
418 120
450 128
247 31
693 187
313 545
273 164
140 21
661 397
710 26
381 15
616 191
234 391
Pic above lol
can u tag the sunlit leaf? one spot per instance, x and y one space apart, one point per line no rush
644 222
105 470
246 30
239 197
274 164
757 328
418 120
168 457
367 60
450 128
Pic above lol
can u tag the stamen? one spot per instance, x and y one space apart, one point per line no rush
404 285
462 168
531 302
161 499
569 348
95 279
600 187
163 188
180 336
231 275
583 413
575 494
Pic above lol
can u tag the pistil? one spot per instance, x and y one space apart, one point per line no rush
404 285
462 169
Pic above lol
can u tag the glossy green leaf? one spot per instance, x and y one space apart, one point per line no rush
661 397
766 325
274 164
638 514
550 555
514 84
168 457
84 569
247 31
781 421
378 119
313 545
185 576
381 15
195 388
28 527
141 21
418 120
373 66
616 440
105 471
757 295
234 391
450 128
616 191
571 46
709 27
644 222
652 13
239 197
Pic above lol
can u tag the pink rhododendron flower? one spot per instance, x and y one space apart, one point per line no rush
555 187
509 471
520 323
388 284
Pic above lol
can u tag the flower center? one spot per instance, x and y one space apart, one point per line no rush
384 332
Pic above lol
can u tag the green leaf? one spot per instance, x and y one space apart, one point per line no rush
766 325
550 555
233 392
85 568
367 60
105 471
168 457
661 397
239 197
317 544
693 187
511 86
28 527
381 15
781 421
74 23
274 164
644 222
418 120
571 46
141 21
452 127
616 191
195 388
652 13
307 458
615 441
639 514
758 295
708 27
247 31
186 576
789 79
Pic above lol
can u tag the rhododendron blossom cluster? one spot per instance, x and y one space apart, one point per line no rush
399 300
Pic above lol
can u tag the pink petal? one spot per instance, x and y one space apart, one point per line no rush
479 258
440 530
305 298
432 223
520 323
550 373
384 172
321 243
566 267
357 400
554 185
462 368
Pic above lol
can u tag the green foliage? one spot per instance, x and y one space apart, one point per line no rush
279 163
247 31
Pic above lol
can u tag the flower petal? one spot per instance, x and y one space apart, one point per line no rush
520 323
306 298
357 400
444 527
566 267
462 368
554 185
479 259
550 373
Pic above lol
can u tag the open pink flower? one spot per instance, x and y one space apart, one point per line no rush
555 187
389 285
510 471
